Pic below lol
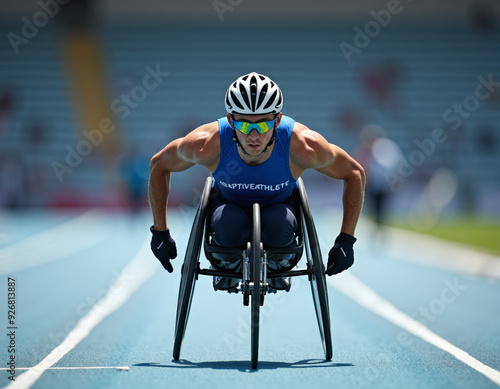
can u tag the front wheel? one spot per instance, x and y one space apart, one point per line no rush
255 265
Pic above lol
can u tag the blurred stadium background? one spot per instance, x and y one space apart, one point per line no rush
90 90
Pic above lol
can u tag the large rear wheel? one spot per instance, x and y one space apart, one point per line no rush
188 275
317 278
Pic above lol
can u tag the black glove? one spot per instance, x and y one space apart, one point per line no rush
341 256
163 247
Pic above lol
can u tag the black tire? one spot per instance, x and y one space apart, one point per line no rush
255 265
188 275
317 278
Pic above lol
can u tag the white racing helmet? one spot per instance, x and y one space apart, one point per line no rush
253 94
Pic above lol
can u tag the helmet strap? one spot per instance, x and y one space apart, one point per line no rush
271 141
235 138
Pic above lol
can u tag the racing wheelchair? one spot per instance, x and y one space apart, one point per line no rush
256 272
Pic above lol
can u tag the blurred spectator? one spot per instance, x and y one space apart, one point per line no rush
35 132
486 139
351 119
482 16
134 168
438 192
381 84
7 105
36 183
379 156
12 181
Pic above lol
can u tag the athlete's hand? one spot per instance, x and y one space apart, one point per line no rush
163 247
341 256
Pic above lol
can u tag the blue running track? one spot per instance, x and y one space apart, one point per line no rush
95 309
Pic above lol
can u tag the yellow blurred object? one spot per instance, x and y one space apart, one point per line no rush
84 65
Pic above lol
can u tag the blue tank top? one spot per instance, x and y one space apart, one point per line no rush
268 183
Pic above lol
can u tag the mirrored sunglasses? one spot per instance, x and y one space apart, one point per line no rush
261 127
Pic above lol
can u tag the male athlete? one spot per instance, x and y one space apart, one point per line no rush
255 154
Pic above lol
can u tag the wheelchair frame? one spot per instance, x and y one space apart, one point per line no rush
254 274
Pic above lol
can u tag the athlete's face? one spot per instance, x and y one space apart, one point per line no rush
254 142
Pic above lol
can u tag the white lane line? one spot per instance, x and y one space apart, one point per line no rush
58 242
136 272
74 368
366 297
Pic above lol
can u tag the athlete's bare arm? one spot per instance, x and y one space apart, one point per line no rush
200 147
310 150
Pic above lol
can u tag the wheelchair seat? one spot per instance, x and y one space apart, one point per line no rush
230 260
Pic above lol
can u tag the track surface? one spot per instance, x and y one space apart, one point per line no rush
91 298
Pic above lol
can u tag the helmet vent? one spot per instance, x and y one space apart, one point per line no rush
235 101
271 100
262 96
253 91
279 100
244 95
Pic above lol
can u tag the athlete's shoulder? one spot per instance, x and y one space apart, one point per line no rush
202 145
305 138
307 147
